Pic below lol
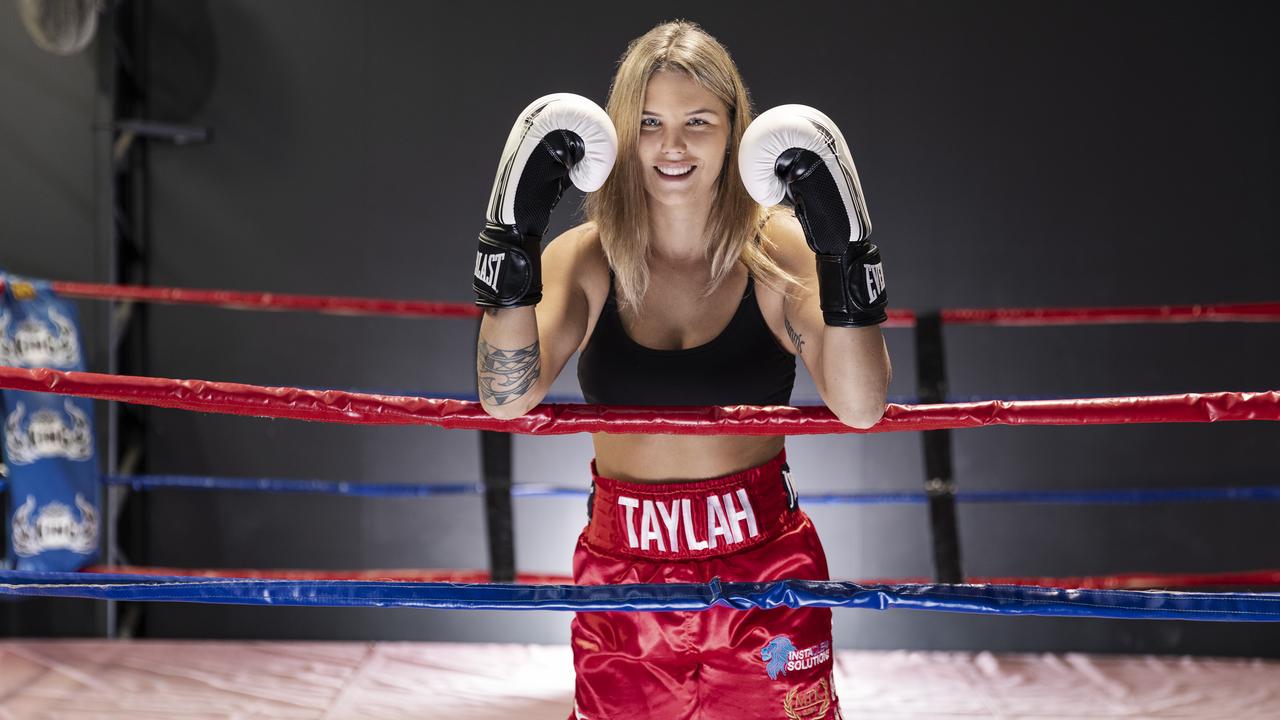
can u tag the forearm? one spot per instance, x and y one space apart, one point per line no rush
508 361
856 373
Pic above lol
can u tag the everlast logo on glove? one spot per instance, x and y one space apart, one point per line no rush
875 280
487 268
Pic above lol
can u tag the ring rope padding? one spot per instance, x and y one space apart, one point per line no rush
364 409
1118 496
1268 312
982 599
1253 579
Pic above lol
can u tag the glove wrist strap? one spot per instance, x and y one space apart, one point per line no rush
508 268
851 289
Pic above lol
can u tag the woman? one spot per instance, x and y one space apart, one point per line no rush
682 290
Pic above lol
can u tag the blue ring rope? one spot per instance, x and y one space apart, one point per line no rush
1049 497
319 487
982 599
1131 496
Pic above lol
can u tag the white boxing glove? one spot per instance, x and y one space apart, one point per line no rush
557 140
795 153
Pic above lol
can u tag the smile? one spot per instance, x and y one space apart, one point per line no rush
675 171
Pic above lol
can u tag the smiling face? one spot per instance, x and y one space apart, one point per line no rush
684 132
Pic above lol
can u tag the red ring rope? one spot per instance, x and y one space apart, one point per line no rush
340 305
560 419
1029 317
237 300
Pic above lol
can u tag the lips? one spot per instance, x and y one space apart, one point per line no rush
675 173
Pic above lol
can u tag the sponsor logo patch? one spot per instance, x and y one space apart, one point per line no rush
780 656
808 703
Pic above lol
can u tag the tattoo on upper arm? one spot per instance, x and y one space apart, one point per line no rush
506 375
796 338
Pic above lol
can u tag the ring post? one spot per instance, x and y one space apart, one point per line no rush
939 485
495 467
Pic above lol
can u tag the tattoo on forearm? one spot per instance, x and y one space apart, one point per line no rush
506 375
796 338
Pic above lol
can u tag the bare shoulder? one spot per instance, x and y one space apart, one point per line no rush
576 256
787 245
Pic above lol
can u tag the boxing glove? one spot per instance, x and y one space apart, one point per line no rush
558 140
795 153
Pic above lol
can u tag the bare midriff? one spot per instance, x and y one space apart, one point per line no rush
673 458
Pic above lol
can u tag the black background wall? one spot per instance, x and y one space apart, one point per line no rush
1013 154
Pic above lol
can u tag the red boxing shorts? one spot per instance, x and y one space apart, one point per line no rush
717 663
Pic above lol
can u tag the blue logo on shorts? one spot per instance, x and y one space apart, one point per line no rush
775 655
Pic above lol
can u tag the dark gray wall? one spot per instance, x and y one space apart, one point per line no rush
1013 154
50 216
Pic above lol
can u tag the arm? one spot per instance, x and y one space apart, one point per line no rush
849 366
521 351
558 140
796 153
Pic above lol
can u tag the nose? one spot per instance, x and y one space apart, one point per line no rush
673 143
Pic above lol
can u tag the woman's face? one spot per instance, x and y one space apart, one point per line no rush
684 132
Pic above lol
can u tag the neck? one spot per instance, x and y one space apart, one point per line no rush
679 233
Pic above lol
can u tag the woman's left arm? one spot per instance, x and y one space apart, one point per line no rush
796 153
849 365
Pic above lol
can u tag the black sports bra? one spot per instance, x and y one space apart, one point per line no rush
743 365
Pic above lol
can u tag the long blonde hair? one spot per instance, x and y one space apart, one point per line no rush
619 209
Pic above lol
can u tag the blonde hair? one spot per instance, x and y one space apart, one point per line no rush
619 209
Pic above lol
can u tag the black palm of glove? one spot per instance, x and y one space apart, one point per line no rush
851 288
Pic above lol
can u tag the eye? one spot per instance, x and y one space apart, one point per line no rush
648 122
698 121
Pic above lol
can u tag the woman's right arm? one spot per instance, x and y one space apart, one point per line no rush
522 350
534 303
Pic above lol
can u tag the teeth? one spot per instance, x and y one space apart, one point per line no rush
678 170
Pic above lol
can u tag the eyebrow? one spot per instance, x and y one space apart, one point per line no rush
691 112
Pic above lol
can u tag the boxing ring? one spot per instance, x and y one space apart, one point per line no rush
381 681
146 678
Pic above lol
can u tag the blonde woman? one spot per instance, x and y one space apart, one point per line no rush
682 289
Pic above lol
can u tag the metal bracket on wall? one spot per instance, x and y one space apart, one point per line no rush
134 129
127 262
940 486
